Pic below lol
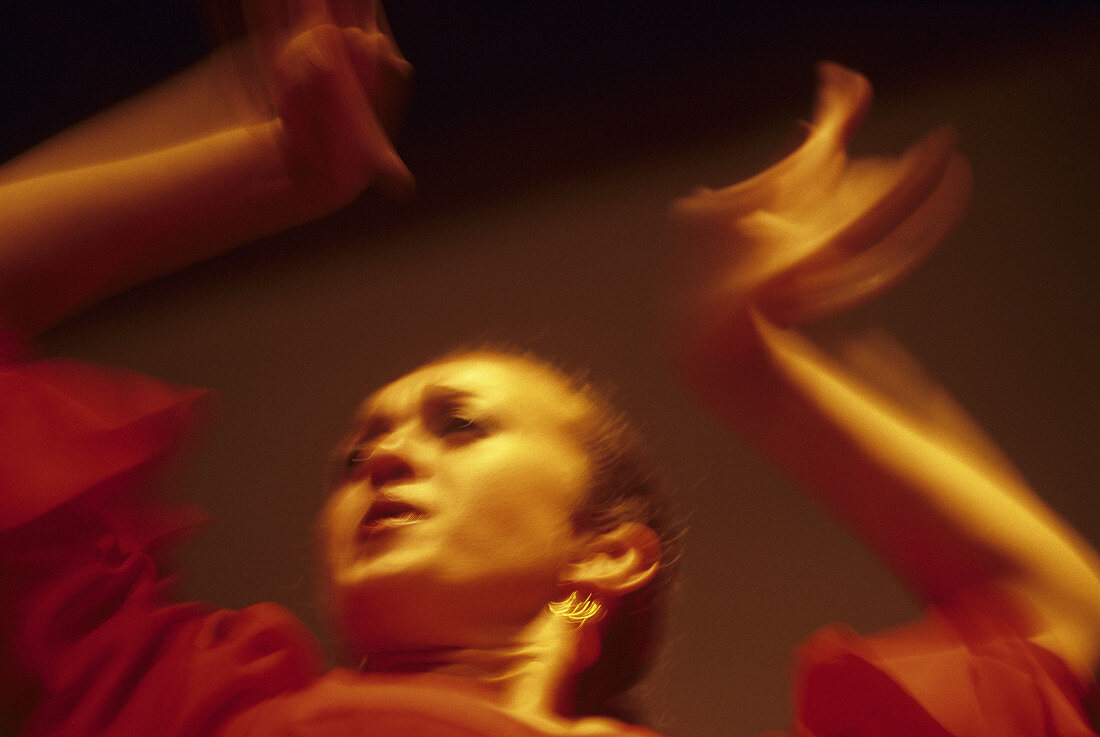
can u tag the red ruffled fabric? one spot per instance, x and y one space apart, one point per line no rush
68 428
965 672
345 703
93 645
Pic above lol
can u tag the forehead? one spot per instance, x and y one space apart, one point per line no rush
496 382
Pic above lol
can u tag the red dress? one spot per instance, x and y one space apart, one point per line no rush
94 646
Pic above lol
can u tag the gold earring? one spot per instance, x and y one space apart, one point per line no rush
577 611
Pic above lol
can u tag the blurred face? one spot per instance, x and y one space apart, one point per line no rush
453 521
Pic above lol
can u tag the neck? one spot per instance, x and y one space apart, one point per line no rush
531 674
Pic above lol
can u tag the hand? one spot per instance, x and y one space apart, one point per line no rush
338 86
817 233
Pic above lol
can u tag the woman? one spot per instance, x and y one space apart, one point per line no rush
475 609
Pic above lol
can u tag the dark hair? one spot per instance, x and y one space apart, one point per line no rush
624 487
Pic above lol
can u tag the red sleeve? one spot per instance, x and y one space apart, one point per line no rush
966 672
68 428
91 643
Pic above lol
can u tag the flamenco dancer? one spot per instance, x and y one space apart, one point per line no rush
495 552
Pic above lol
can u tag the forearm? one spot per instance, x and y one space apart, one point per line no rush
119 202
928 497
206 98
903 467
74 237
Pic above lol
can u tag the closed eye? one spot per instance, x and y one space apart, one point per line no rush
459 424
448 413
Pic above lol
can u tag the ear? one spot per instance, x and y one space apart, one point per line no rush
615 562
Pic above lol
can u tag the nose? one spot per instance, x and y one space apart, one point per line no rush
385 467
394 456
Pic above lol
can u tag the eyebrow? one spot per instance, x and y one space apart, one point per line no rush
443 391
431 394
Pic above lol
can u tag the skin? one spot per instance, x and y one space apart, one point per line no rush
176 176
484 450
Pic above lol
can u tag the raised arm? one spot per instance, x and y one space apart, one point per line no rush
103 209
893 457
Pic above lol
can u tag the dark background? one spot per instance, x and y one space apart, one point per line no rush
500 73
547 139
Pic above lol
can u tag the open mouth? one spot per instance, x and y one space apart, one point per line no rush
388 514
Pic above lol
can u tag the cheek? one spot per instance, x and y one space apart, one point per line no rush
339 515
518 511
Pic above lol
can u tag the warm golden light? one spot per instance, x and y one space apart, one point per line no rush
817 232
576 610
